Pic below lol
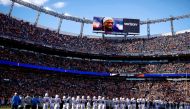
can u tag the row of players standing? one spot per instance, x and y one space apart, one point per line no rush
88 103
19 102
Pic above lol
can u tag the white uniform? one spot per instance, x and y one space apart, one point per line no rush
46 101
122 104
95 104
157 103
143 103
73 103
57 103
133 103
52 103
187 106
139 103
64 102
88 104
99 104
116 103
68 101
78 103
128 103
83 103
103 104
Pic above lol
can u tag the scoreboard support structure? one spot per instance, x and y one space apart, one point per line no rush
82 28
37 18
148 28
172 26
103 35
59 26
125 36
11 9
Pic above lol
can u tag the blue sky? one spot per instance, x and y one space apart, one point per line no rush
138 9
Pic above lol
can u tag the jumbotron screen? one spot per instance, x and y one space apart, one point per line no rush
110 25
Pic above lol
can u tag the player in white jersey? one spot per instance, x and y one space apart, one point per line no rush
95 104
181 105
103 103
83 101
186 105
73 103
147 103
122 104
141 103
99 104
113 103
99 101
133 103
64 102
46 101
116 103
88 104
128 103
68 102
57 102
52 103
78 105
157 103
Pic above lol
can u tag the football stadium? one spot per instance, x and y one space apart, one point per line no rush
115 55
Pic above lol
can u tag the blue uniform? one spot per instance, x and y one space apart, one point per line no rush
15 101
35 101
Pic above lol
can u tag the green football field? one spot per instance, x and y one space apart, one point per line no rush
5 107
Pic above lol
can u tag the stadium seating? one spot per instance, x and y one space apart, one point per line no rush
25 81
38 82
158 45
36 58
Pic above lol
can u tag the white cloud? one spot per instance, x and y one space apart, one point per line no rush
8 2
48 8
36 2
58 5
5 2
67 14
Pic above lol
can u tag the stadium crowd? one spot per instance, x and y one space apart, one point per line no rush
34 82
36 58
158 45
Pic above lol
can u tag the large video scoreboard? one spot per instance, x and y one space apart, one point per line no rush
110 25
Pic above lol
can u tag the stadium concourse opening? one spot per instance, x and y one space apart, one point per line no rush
42 68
